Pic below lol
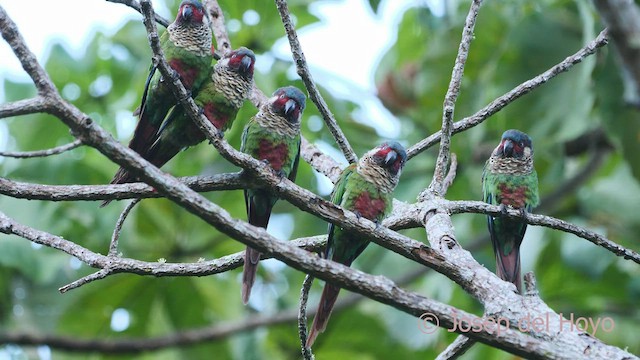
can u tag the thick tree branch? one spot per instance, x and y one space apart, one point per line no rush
515 93
437 186
314 93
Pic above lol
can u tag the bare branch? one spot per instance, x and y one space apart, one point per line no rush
42 153
457 207
515 93
23 107
113 246
22 190
314 94
307 354
223 44
437 183
98 275
136 6
320 161
40 78
456 349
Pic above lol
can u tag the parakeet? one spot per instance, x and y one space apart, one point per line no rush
187 48
222 95
366 188
272 135
510 180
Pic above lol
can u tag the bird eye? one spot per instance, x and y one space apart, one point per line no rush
282 96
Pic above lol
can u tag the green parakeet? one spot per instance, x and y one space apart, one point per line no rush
272 135
366 188
510 180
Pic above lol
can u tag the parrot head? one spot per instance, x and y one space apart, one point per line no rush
191 12
241 61
288 102
514 144
391 156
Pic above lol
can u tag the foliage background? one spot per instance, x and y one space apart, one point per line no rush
514 42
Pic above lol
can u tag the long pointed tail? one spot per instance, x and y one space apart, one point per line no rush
158 155
121 177
251 259
327 301
508 267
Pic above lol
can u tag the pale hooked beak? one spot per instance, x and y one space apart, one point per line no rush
391 158
187 12
507 148
245 64
289 106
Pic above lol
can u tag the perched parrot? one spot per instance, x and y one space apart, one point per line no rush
187 48
366 188
510 180
220 98
272 135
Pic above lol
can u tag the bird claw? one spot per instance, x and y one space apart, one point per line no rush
378 224
523 213
200 110
281 174
503 209
358 215
176 74
220 133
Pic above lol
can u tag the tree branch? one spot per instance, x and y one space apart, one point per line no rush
22 190
457 207
314 94
515 93
437 183
42 153
136 6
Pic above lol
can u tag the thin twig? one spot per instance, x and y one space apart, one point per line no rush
515 93
437 183
451 174
456 349
314 94
98 275
113 246
42 153
136 6
307 354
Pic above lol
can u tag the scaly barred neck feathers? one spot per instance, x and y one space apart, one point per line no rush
281 113
192 32
382 166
